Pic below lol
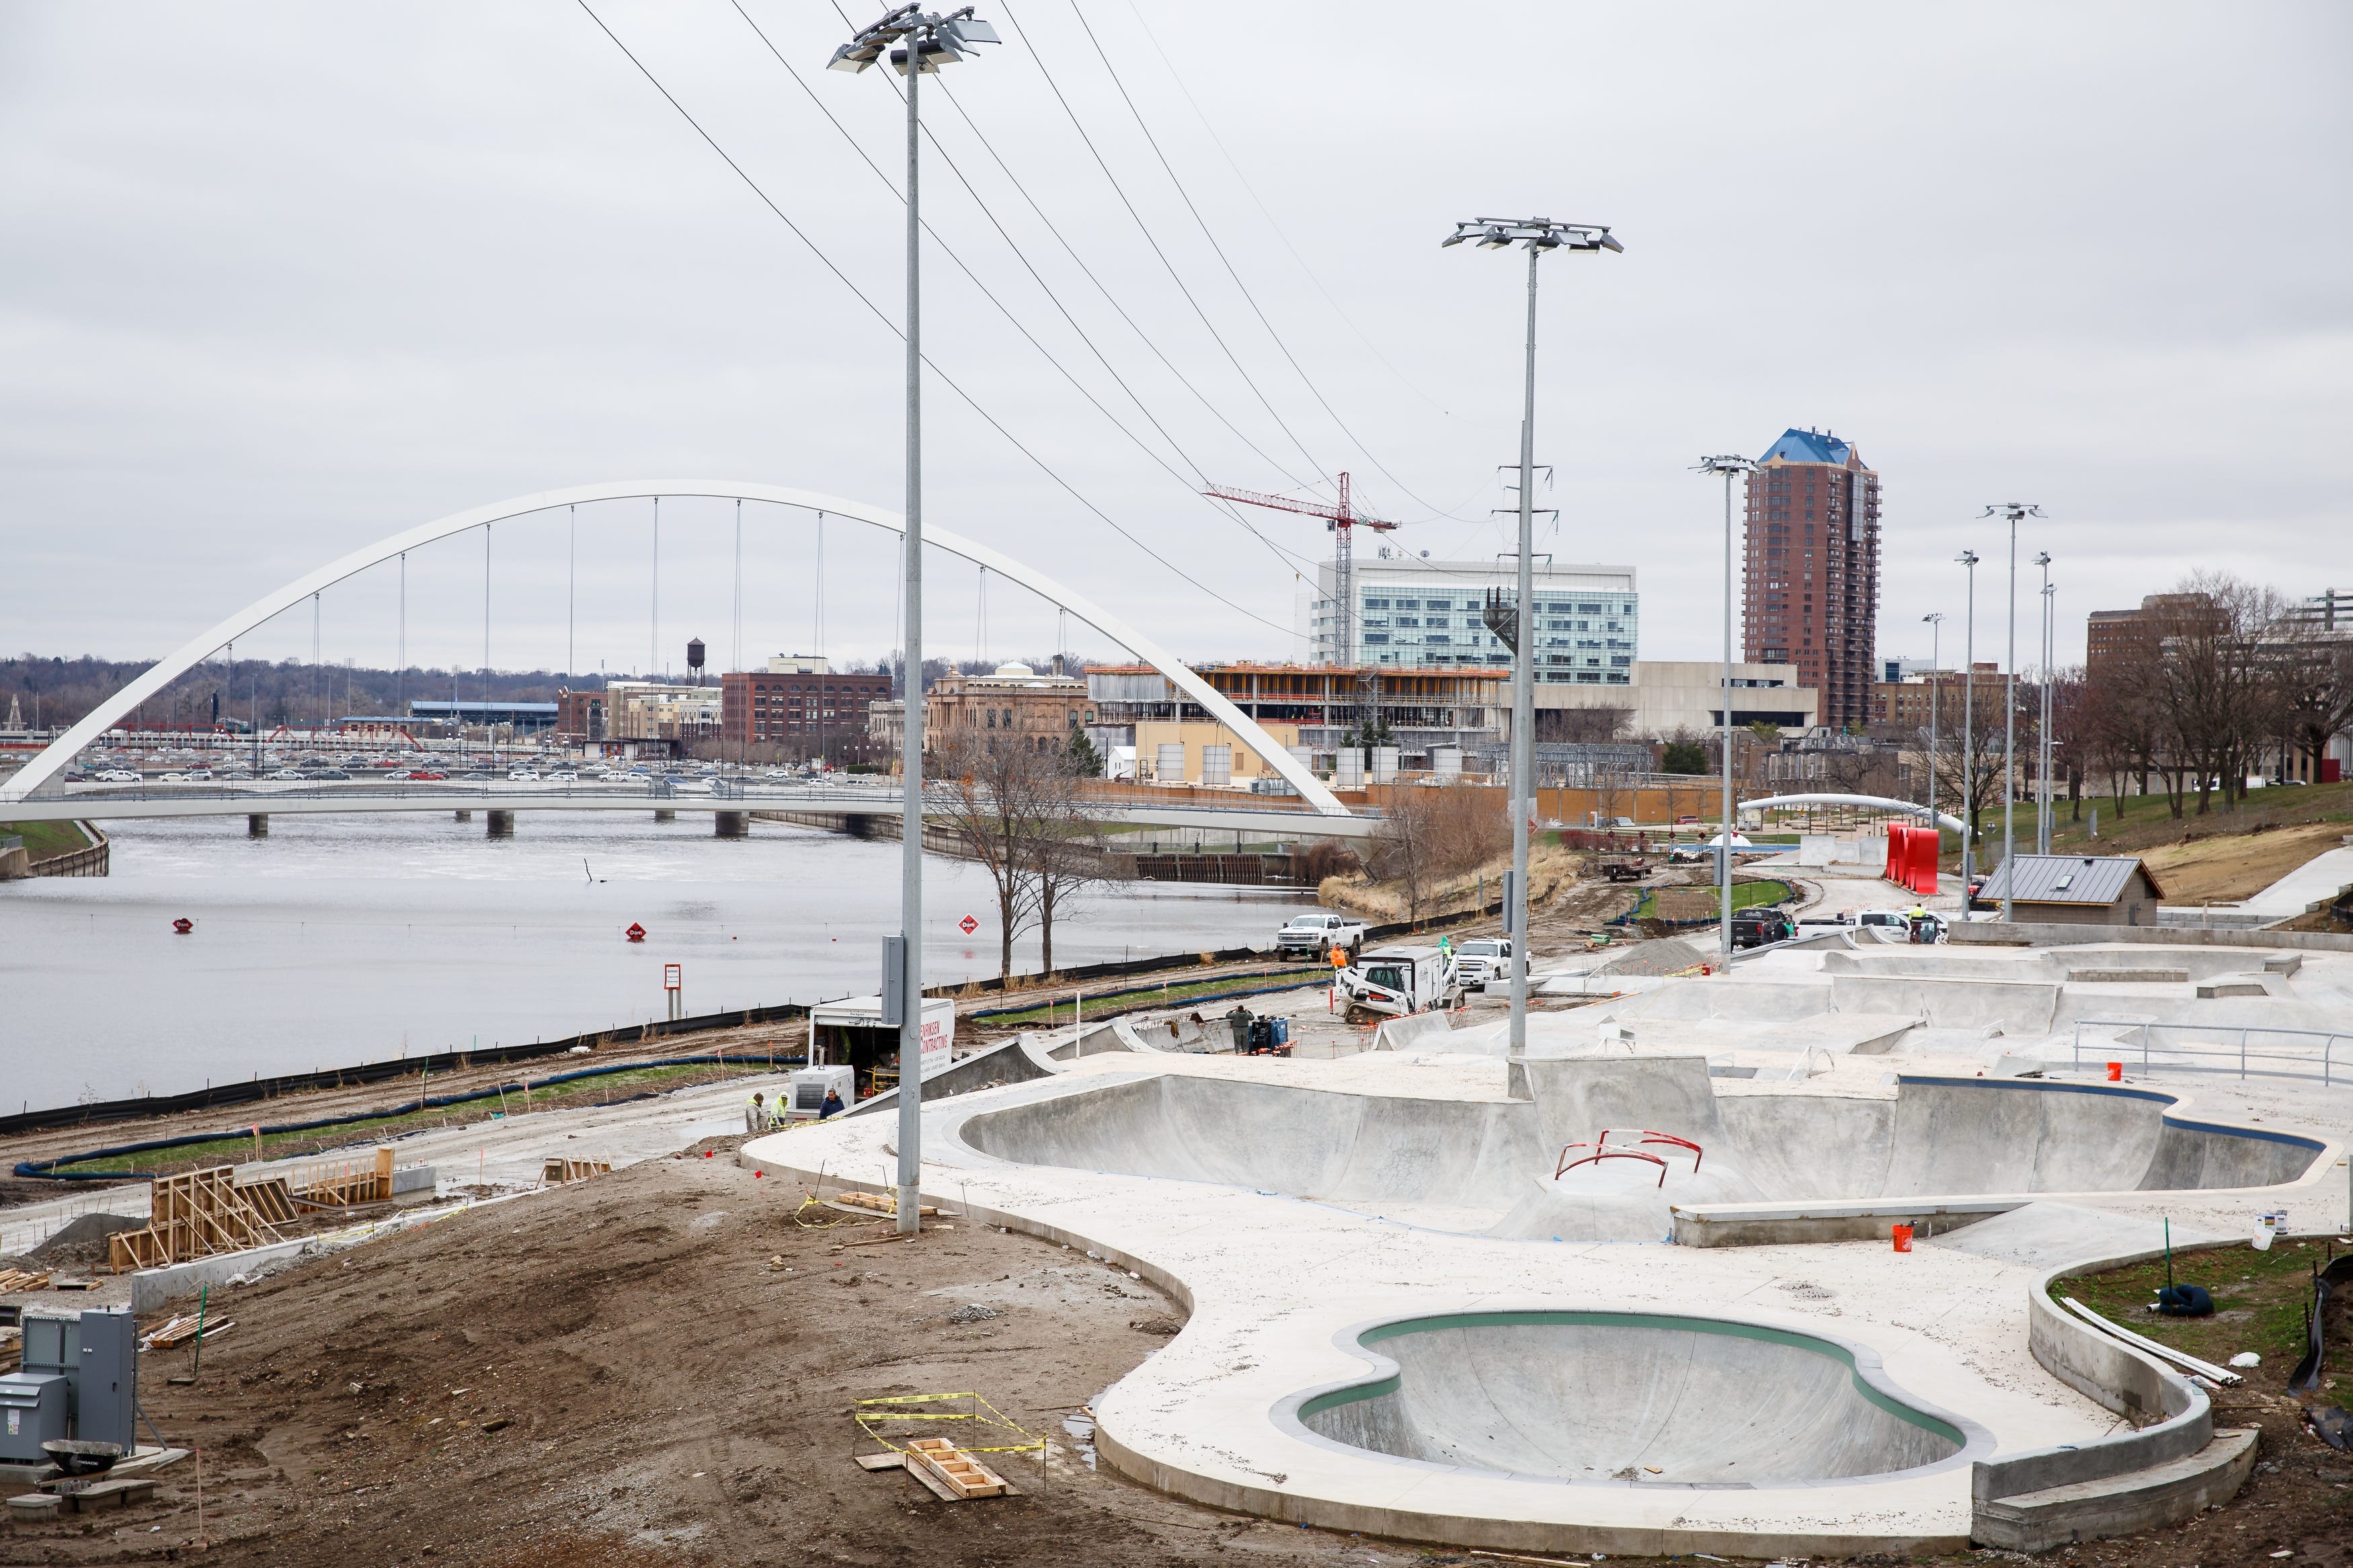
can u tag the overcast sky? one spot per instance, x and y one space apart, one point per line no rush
283 280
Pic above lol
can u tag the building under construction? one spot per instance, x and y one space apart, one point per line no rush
1415 709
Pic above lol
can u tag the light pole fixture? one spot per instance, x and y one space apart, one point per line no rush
1935 621
2042 721
1539 234
919 43
2013 512
1727 467
1969 560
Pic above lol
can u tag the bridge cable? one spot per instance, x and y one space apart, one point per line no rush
572 584
893 327
653 641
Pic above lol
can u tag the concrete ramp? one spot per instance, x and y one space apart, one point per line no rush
1632 1399
1577 1099
2017 1007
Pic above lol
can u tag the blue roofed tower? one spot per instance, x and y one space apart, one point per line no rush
1811 596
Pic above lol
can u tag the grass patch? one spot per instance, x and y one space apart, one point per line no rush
44 839
2259 1305
377 1129
1704 901
1173 992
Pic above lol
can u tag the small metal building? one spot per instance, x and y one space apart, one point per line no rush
2077 890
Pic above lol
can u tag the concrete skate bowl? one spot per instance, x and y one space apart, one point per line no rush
1493 1167
1628 1399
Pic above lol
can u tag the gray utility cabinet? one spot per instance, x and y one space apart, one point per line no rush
32 1412
97 1353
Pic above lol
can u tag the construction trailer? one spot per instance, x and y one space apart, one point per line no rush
850 1033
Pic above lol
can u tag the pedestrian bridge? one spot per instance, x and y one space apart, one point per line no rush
23 795
1249 814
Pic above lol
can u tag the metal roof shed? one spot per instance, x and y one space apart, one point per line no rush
2080 889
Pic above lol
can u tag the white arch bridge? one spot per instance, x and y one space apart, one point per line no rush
37 792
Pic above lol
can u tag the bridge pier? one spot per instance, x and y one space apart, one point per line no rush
661 816
731 825
502 824
465 816
256 826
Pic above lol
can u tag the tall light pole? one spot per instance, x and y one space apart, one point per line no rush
1935 624
2042 720
925 41
1968 559
2013 511
1727 467
1539 234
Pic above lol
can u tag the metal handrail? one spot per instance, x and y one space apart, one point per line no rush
2327 1039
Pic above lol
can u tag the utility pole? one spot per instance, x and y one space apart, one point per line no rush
2042 722
1968 559
1539 234
2013 511
1727 467
1936 622
926 42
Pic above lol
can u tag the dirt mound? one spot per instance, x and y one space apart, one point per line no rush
82 1243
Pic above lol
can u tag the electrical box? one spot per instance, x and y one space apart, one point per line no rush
97 1353
805 1091
32 1412
894 981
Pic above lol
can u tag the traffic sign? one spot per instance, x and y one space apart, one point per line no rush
967 925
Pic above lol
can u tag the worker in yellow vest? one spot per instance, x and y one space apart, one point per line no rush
755 1114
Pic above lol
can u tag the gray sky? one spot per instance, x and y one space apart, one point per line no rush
281 280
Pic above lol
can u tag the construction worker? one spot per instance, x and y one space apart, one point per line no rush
755 1114
832 1104
1916 917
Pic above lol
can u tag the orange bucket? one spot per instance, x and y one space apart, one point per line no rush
2116 1072
1900 1235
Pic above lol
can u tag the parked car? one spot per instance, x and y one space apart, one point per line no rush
1482 958
1319 933
1761 927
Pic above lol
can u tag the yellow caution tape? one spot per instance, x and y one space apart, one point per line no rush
869 1418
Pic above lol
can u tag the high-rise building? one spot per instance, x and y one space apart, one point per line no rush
1812 586
1416 613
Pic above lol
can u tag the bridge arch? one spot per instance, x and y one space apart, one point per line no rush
1875 801
52 761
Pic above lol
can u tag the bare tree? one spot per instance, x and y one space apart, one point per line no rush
1582 724
1428 835
1065 841
984 804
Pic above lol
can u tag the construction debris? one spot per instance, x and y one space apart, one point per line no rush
557 1171
948 1470
181 1329
880 1204
13 1280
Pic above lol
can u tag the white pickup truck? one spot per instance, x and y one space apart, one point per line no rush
1319 933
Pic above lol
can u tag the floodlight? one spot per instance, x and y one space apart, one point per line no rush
964 31
1495 238
1610 242
854 57
936 52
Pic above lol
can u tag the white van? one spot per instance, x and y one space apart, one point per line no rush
1401 980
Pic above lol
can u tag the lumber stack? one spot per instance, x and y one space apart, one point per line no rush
557 1171
183 1328
13 1280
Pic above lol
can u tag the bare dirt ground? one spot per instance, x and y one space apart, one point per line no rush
2238 866
657 1369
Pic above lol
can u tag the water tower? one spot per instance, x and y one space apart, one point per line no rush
694 657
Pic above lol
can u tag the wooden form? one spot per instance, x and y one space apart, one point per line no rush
939 1463
344 1184
558 1172
192 1216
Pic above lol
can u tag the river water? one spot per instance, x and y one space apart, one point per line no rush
342 940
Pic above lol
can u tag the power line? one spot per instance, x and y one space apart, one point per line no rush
945 380
1154 242
1153 142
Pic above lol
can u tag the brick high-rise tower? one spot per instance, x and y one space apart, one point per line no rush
1813 583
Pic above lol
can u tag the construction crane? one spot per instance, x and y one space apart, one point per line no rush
1343 521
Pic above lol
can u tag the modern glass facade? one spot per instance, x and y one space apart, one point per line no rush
1587 619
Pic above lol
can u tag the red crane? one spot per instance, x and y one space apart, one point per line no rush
1343 520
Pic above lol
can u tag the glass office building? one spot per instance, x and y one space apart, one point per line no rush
1414 612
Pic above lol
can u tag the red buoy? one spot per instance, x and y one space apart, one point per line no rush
184 925
636 932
